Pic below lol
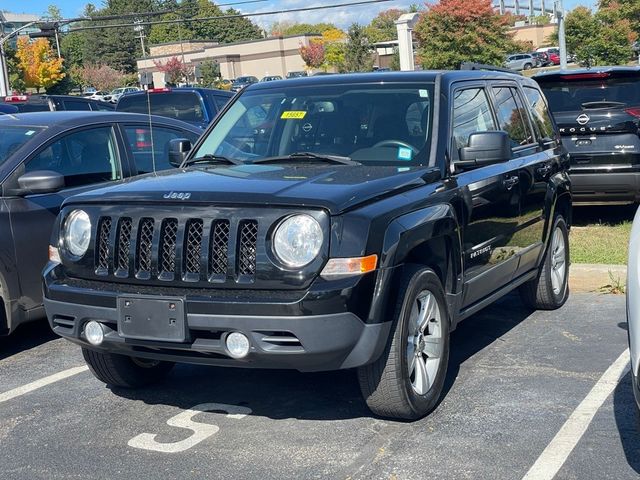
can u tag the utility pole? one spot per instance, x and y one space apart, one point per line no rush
140 30
561 36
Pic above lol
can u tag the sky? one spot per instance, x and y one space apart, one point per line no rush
341 17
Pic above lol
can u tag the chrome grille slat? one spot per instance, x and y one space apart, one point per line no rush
247 244
145 241
218 257
102 252
193 246
124 244
168 244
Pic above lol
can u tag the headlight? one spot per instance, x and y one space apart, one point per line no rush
77 233
297 241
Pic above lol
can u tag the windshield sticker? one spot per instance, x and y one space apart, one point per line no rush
404 153
293 115
424 93
29 133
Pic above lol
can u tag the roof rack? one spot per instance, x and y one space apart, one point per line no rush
482 66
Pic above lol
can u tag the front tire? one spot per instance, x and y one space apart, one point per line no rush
123 371
527 66
407 380
550 289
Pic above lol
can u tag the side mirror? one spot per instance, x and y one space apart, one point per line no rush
179 148
485 148
41 181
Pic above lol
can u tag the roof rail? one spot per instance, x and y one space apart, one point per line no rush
482 66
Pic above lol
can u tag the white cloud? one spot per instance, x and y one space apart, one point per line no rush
341 16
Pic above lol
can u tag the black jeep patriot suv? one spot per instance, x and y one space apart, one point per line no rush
323 223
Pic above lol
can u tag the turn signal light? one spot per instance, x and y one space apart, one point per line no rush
346 267
54 254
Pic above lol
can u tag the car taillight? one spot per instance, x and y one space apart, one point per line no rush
635 111
159 90
586 76
16 98
141 138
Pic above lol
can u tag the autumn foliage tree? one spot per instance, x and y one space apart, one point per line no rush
174 69
102 77
40 65
313 55
454 31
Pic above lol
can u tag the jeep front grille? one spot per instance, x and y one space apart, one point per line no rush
168 249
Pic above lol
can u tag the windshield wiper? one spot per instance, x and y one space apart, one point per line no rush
310 156
603 104
211 159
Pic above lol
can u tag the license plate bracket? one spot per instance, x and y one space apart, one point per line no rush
142 317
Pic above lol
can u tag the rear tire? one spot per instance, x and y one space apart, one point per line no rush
527 66
550 289
123 371
407 380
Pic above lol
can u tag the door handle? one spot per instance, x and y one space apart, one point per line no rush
511 182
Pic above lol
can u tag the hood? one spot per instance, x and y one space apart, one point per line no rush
334 188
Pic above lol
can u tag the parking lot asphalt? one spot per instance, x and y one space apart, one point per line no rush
515 378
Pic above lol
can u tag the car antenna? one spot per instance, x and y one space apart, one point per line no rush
153 153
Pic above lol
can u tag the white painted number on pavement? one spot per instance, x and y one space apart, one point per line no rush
201 431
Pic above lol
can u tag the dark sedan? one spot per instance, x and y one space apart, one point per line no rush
46 157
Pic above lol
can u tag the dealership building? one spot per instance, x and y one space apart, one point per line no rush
260 58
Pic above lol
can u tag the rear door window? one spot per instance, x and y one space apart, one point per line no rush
84 157
151 151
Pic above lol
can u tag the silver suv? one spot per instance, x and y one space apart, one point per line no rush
520 61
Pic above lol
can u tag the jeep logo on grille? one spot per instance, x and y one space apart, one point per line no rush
177 196
583 119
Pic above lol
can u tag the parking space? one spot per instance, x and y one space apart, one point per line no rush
515 379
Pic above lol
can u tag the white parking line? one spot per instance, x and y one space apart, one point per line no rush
43 382
557 452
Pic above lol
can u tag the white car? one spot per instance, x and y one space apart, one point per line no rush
115 94
98 95
633 304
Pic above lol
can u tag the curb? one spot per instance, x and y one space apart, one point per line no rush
584 277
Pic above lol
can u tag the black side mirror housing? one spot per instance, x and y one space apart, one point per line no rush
485 148
41 181
179 148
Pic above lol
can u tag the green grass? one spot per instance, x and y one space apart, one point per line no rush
601 234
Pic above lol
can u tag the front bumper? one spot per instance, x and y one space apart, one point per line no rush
605 186
328 339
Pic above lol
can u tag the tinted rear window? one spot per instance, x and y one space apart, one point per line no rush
571 95
185 106
32 107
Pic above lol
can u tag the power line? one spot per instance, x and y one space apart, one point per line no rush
219 17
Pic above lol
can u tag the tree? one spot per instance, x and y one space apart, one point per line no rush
40 65
383 28
210 73
289 28
623 10
454 31
53 13
222 30
357 55
599 39
313 55
102 77
174 69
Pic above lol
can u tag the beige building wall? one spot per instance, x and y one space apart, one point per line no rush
537 35
270 56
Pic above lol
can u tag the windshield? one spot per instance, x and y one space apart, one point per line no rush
571 96
185 106
373 124
12 138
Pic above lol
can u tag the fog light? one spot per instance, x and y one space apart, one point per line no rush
237 344
94 333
